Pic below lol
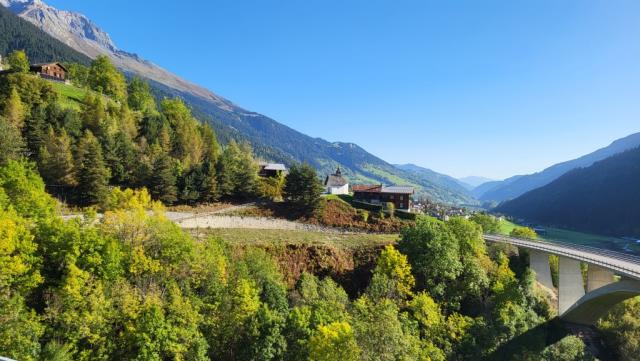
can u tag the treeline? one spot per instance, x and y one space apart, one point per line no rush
133 286
120 136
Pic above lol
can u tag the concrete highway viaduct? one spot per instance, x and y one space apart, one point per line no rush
612 277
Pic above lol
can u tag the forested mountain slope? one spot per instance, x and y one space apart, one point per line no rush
270 139
512 188
603 198
16 33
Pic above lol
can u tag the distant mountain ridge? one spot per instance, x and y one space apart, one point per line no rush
603 198
515 186
442 180
472 182
270 139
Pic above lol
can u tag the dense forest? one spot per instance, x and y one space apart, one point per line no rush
16 33
133 286
602 198
118 135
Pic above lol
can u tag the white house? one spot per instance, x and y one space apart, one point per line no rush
336 184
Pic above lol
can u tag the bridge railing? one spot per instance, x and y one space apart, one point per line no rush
628 264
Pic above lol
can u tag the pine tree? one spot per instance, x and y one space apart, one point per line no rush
56 160
11 143
208 187
163 180
93 114
14 109
303 188
93 175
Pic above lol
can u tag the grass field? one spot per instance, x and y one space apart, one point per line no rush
274 236
585 239
71 96
588 239
506 227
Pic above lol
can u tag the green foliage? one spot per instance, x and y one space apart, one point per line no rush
523 232
489 223
392 278
237 172
302 188
93 175
434 254
570 348
14 111
18 61
140 97
133 286
621 327
163 180
333 342
106 79
11 142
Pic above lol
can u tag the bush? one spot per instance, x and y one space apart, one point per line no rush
364 215
391 208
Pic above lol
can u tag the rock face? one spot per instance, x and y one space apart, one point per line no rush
80 33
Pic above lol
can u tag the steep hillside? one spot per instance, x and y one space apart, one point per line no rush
271 140
514 188
17 34
603 198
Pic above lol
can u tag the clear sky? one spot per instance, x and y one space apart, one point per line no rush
490 88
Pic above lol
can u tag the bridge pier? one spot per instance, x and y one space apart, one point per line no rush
570 284
539 262
598 277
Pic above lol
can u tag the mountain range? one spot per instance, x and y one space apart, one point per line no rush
602 198
516 186
271 140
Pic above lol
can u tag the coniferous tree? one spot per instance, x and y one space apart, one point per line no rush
14 109
93 114
163 179
302 188
11 143
93 175
55 160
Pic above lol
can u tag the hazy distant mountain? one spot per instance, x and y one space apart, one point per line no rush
516 186
443 181
603 198
472 182
270 139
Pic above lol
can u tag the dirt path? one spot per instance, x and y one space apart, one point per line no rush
222 221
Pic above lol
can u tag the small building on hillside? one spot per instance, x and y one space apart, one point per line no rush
268 170
336 184
400 196
50 71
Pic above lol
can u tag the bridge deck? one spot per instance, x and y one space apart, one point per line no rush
621 263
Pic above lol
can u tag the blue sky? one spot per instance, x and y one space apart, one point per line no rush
490 88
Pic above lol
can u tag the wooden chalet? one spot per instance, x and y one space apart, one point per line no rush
400 196
268 170
50 71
